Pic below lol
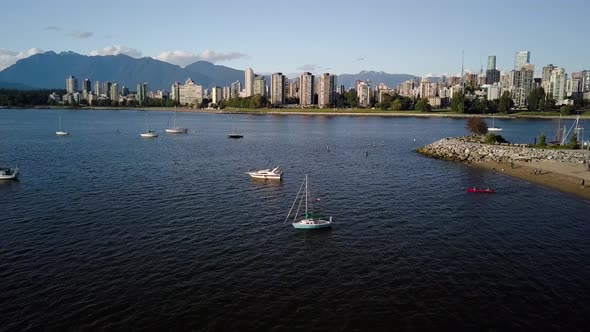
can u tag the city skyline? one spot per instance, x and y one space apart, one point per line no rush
399 39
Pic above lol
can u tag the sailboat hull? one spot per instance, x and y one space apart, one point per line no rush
312 224
177 130
494 129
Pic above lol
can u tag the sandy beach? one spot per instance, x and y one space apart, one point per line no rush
564 177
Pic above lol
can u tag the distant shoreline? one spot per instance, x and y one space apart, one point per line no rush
316 112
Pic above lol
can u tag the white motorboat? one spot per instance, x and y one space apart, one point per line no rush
61 132
8 173
274 174
175 129
310 220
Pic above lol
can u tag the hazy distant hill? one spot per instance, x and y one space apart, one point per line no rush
376 77
218 75
15 86
49 71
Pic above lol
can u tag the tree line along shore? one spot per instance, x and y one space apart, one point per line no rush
398 105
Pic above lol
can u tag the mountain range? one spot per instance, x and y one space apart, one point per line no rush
49 70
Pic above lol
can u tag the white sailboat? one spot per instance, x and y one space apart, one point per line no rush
175 129
493 127
61 132
310 221
148 133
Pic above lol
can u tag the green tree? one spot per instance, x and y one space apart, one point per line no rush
495 139
477 126
458 102
547 104
566 110
542 140
506 103
397 105
534 99
423 106
573 141
351 98
478 106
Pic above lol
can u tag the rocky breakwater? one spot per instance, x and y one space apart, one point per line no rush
472 150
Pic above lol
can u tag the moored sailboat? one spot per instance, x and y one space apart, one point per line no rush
493 127
175 129
61 132
309 221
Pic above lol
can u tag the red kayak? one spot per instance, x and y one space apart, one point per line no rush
483 191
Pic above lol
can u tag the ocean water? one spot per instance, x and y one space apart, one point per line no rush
106 230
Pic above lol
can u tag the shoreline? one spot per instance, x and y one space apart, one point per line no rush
311 112
558 176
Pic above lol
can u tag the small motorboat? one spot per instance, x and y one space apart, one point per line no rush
235 136
481 190
274 174
8 173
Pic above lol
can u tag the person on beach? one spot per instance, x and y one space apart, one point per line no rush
511 164
582 184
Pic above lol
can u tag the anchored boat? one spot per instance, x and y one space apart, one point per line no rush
8 173
310 221
274 174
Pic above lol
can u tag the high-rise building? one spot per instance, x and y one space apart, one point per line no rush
249 81
557 84
190 93
546 76
142 90
174 91
124 91
427 88
71 84
586 81
364 93
492 74
327 90
491 62
521 58
259 86
114 94
574 85
236 87
107 89
98 88
216 95
226 93
277 89
86 86
521 84
306 89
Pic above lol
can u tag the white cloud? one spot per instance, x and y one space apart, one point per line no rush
8 57
81 34
309 67
116 50
184 58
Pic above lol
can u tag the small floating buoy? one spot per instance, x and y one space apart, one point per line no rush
414 140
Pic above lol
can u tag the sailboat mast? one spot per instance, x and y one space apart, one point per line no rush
306 195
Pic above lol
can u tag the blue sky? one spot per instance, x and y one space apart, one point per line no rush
415 37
